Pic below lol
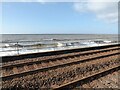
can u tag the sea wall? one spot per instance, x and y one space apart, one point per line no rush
40 54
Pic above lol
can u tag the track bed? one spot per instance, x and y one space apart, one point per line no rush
66 70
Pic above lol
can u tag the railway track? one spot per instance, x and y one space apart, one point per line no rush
67 73
32 67
84 80
92 61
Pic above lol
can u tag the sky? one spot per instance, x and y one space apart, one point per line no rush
59 17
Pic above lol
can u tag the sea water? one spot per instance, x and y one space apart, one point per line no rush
13 44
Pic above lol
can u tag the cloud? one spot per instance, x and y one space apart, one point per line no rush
106 11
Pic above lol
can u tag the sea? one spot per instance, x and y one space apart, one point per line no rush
15 44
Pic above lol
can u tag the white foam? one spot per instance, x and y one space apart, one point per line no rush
60 44
106 41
